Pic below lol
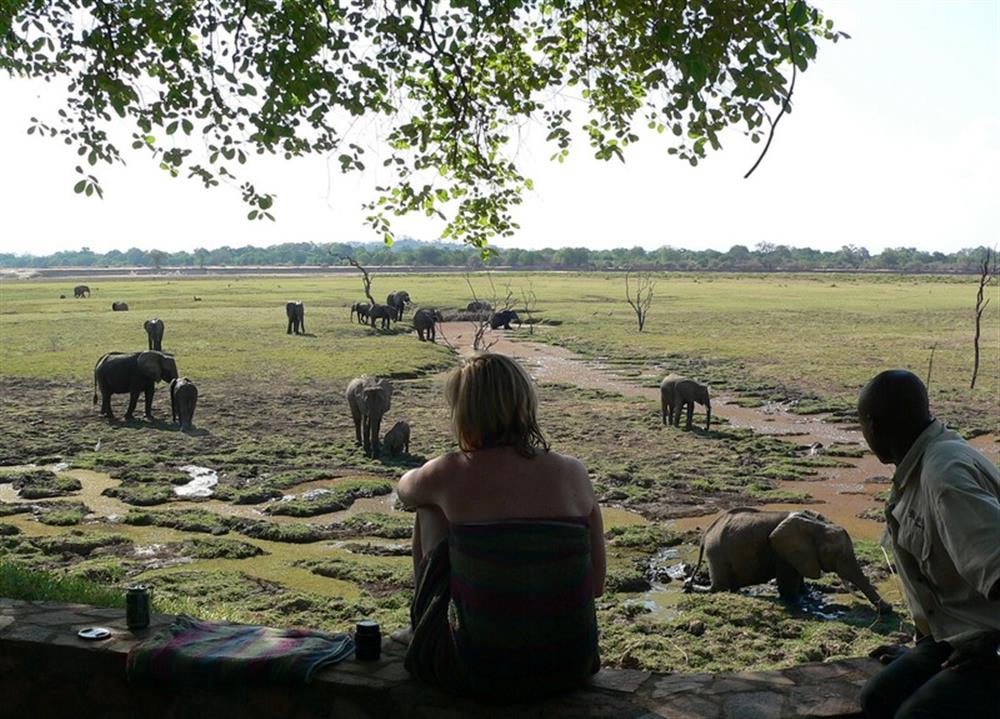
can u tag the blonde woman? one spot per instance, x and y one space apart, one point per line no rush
508 548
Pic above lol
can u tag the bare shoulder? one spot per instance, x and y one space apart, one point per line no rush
569 467
419 485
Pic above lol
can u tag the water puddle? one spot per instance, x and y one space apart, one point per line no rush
202 481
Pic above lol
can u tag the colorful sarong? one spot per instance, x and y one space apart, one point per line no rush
504 612
191 651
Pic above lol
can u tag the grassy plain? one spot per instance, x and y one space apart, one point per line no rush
272 421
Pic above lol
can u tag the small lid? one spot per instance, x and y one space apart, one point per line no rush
367 626
137 588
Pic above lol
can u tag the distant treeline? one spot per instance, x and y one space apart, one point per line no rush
739 258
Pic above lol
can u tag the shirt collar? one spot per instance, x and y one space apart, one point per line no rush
905 468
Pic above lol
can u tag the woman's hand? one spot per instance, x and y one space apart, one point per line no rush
888 653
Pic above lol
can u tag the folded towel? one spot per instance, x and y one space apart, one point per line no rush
191 651
505 612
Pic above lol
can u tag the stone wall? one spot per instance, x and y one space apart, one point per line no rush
47 671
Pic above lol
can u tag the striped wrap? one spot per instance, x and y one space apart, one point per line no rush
505 612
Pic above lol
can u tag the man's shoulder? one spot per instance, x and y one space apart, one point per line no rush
950 460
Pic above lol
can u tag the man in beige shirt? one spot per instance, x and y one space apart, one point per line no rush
943 525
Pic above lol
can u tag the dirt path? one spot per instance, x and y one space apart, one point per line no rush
844 492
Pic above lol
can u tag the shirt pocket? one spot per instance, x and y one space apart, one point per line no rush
913 538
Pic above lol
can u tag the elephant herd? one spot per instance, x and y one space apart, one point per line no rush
135 373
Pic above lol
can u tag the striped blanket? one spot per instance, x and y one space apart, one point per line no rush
191 651
505 612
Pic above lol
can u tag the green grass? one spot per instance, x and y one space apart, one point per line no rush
17 582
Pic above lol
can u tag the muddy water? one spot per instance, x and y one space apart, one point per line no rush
839 493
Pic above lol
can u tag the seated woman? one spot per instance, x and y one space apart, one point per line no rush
508 548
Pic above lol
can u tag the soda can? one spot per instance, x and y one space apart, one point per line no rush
137 607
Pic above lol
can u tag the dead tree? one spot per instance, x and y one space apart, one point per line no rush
639 294
482 322
530 300
987 271
365 277
930 366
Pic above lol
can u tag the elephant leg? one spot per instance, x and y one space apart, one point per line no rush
149 401
376 428
289 330
433 333
106 405
790 582
133 399
302 325
690 415
356 416
366 435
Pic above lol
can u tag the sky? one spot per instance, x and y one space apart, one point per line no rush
894 141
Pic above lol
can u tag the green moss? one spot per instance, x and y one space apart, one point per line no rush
645 537
141 494
373 524
79 542
331 499
376 579
40 483
187 520
224 549
274 532
8 530
102 570
61 514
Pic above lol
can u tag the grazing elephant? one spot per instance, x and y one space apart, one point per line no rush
747 546
361 309
478 306
197 298
81 291
397 439
398 301
381 312
296 312
119 307
183 399
132 373
154 333
503 318
677 391
369 398
425 323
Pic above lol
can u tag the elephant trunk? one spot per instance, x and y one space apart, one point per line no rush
850 571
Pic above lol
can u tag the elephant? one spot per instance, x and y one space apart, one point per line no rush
154 333
478 306
361 309
425 323
132 373
81 291
503 318
398 301
296 312
746 546
62 297
119 307
381 312
183 399
397 439
369 398
677 391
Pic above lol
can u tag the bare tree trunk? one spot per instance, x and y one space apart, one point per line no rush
987 270
366 278
930 366
643 299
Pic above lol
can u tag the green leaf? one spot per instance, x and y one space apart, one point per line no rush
252 215
799 13
79 187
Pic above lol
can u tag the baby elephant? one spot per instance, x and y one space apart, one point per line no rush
747 546
183 398
397 439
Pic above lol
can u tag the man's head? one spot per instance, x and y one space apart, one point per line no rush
893 410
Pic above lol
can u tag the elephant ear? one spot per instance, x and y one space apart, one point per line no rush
151 365
794 540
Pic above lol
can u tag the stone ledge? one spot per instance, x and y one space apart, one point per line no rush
47 671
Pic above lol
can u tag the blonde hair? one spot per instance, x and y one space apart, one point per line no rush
493 404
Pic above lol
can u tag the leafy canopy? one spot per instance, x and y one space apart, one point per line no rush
204 84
